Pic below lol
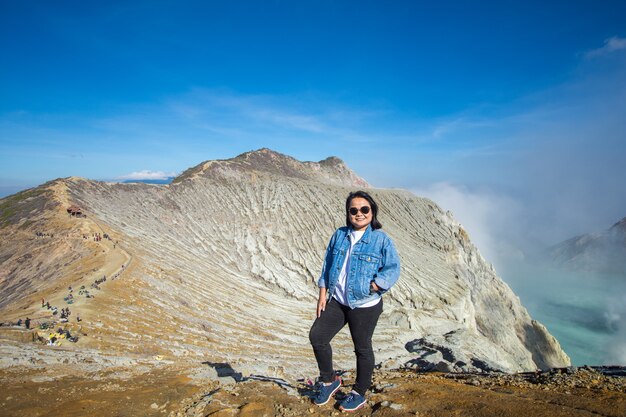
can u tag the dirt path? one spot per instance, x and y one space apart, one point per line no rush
114 261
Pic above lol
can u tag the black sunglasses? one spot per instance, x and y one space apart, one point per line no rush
354 210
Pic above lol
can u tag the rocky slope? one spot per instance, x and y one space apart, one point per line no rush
221 265
603 252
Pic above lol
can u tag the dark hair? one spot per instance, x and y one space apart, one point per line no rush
362 194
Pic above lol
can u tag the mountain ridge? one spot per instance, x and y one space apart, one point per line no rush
331 170
602 252
224 266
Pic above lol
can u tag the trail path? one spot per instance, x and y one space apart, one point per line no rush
116 261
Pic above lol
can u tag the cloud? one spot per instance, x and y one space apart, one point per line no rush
447 127
460 124
610 45
225 111
147 175
307 123
487 216
615 315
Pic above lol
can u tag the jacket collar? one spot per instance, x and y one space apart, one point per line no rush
366 236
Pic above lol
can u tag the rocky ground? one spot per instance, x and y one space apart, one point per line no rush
209 389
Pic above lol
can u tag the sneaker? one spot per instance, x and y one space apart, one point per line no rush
326 392
352 402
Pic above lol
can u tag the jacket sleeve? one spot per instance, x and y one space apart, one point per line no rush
322 282
389 273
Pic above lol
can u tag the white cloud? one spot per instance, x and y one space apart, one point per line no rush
610 45
446 127
224 110
463 123
147 175
308 123
237 116
616 317
487 216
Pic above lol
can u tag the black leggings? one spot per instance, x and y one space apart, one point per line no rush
362 322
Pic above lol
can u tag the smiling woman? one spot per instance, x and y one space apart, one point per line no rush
360 265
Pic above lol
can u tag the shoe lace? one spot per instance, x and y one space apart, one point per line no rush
319 388
351 397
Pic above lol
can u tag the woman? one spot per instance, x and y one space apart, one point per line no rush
360 265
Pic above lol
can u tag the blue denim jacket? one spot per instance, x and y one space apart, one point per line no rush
373 258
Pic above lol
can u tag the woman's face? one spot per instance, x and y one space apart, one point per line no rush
360 220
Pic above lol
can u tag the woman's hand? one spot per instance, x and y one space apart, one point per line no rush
321 302
374 287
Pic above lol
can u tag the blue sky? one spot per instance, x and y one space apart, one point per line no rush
494 109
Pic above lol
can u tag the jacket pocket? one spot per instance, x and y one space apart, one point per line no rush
368 265
368 268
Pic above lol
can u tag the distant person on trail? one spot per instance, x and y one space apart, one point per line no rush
360 265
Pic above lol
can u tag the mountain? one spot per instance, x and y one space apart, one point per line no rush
161 181
221 266
602 252
331 170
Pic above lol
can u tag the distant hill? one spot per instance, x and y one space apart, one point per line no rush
603 252
167 180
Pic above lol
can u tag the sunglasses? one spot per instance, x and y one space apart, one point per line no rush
354 210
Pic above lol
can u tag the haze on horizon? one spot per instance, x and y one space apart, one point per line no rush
512 116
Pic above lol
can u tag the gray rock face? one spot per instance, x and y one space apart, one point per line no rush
230 253
603 252
331 170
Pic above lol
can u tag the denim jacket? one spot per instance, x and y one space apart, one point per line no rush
373 258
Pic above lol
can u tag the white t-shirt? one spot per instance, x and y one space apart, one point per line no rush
340 293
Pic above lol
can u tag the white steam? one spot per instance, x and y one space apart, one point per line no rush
616 320
586 311
488 217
